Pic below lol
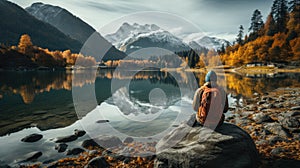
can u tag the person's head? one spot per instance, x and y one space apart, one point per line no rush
211 76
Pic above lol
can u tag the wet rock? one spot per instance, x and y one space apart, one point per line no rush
75 151
68 138
262 142
93 152
192 120
262 117
33 156
261 108
295 108
32 138
61 147
109 141
295 113
270 106
98 162
290 122
128 140
274 139
277 129
228 146
126 160
277 151
79 133
261 102
102 121
89 143
279 105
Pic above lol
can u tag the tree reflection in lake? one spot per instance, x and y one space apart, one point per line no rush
44 99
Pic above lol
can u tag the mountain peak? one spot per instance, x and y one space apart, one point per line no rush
131 37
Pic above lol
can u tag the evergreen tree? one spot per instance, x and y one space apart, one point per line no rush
240 35
270 27
293 24
256 21
280 14
294 5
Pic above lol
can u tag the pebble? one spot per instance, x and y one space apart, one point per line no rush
261 117
79 133
98 162
89 143
128 140
277 129
61 147
295 108
75 151
102 121
277 151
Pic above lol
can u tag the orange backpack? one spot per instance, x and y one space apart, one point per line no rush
210 112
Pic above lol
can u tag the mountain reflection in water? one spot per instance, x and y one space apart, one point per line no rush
44 99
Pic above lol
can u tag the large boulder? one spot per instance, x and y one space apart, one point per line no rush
227 146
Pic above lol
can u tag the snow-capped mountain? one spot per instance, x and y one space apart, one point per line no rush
130 38
207 42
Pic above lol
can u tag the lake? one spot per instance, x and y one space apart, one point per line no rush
145 105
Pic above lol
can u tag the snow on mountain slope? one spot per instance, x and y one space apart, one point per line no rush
130 38
44 12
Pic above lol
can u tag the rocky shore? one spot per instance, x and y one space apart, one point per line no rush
272 120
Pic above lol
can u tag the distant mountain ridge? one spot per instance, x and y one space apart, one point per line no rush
70 25
208 42
131 37
62 19
15 21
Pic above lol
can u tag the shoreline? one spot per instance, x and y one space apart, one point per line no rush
265 118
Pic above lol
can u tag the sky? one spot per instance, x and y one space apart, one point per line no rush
219 18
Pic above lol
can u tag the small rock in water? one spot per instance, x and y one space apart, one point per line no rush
33 156
102 121
128 140
89 143
79 133
69 138
61 147
75 151
109 141
98 162
32 138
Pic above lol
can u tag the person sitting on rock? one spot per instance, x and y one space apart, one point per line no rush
210 102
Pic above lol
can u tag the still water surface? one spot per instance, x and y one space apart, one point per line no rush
151 105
